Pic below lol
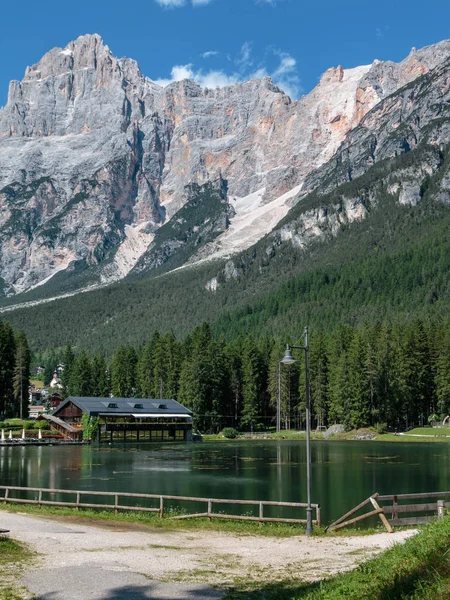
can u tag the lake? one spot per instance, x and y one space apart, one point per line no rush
343 473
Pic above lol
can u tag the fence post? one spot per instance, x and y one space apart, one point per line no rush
78 500
116 503
209 509
6 495
394 504
318 515
440 509
261 513
161 507
40 498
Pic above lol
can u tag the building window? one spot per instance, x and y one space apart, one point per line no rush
163 406
112 405
138 406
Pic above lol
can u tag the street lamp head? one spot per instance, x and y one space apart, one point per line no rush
287 358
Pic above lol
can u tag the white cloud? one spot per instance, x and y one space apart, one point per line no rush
244 59
178 3
209 54
284 75
171 3
209 79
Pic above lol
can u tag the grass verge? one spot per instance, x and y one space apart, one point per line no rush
13 557
280 530
418 435
419 569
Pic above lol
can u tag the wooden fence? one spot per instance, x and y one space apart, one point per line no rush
46 496
389 513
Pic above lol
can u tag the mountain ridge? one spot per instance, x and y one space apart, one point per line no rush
95 158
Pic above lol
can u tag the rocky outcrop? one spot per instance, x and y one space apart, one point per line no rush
95 157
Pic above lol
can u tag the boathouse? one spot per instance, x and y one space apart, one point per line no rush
129 419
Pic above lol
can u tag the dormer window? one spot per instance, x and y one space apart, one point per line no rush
138 406
112 405
163 406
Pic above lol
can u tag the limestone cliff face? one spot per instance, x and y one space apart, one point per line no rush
95 157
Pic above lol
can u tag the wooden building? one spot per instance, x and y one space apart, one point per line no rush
130 419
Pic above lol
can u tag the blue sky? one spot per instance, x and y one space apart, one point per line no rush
221 41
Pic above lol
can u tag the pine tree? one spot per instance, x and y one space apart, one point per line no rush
356 404
123 372
67 361
7 364
100 383
252 380
81 376
234 369
319 377
195 385
443 375
21 375
145 369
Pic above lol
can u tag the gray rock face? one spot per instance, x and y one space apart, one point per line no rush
95 157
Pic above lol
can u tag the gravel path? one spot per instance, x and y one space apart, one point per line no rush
80 560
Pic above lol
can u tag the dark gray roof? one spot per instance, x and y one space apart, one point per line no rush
125 406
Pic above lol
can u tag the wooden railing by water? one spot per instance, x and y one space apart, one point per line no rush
46 497
436 508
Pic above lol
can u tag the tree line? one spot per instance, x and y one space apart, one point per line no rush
15 358
391 374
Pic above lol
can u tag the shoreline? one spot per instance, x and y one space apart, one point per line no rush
360 435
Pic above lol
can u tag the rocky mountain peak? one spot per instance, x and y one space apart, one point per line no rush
86 52
72 90
95 157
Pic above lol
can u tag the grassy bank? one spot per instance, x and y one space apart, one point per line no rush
13 557
419 569
134 518
419 434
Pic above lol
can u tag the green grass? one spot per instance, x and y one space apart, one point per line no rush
435 434
280 530
13 557
153 520
419 569
430 431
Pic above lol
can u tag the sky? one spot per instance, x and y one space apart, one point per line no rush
218 42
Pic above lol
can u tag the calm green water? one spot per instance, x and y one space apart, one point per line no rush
344 473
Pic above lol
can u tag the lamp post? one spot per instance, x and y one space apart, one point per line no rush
289 360
279 399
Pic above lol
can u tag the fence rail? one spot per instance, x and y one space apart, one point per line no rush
393 510
119 497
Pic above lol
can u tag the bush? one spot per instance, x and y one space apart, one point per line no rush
230 433
14 423
42 425
381 428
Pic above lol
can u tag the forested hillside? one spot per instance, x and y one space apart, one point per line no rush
383 375
393 264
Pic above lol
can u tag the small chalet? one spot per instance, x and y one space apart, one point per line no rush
128 419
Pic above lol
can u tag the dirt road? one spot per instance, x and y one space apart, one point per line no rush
80 560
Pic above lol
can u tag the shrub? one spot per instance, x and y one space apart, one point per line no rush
381 428
42 425
230 433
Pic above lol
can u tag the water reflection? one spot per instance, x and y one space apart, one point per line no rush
343 473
